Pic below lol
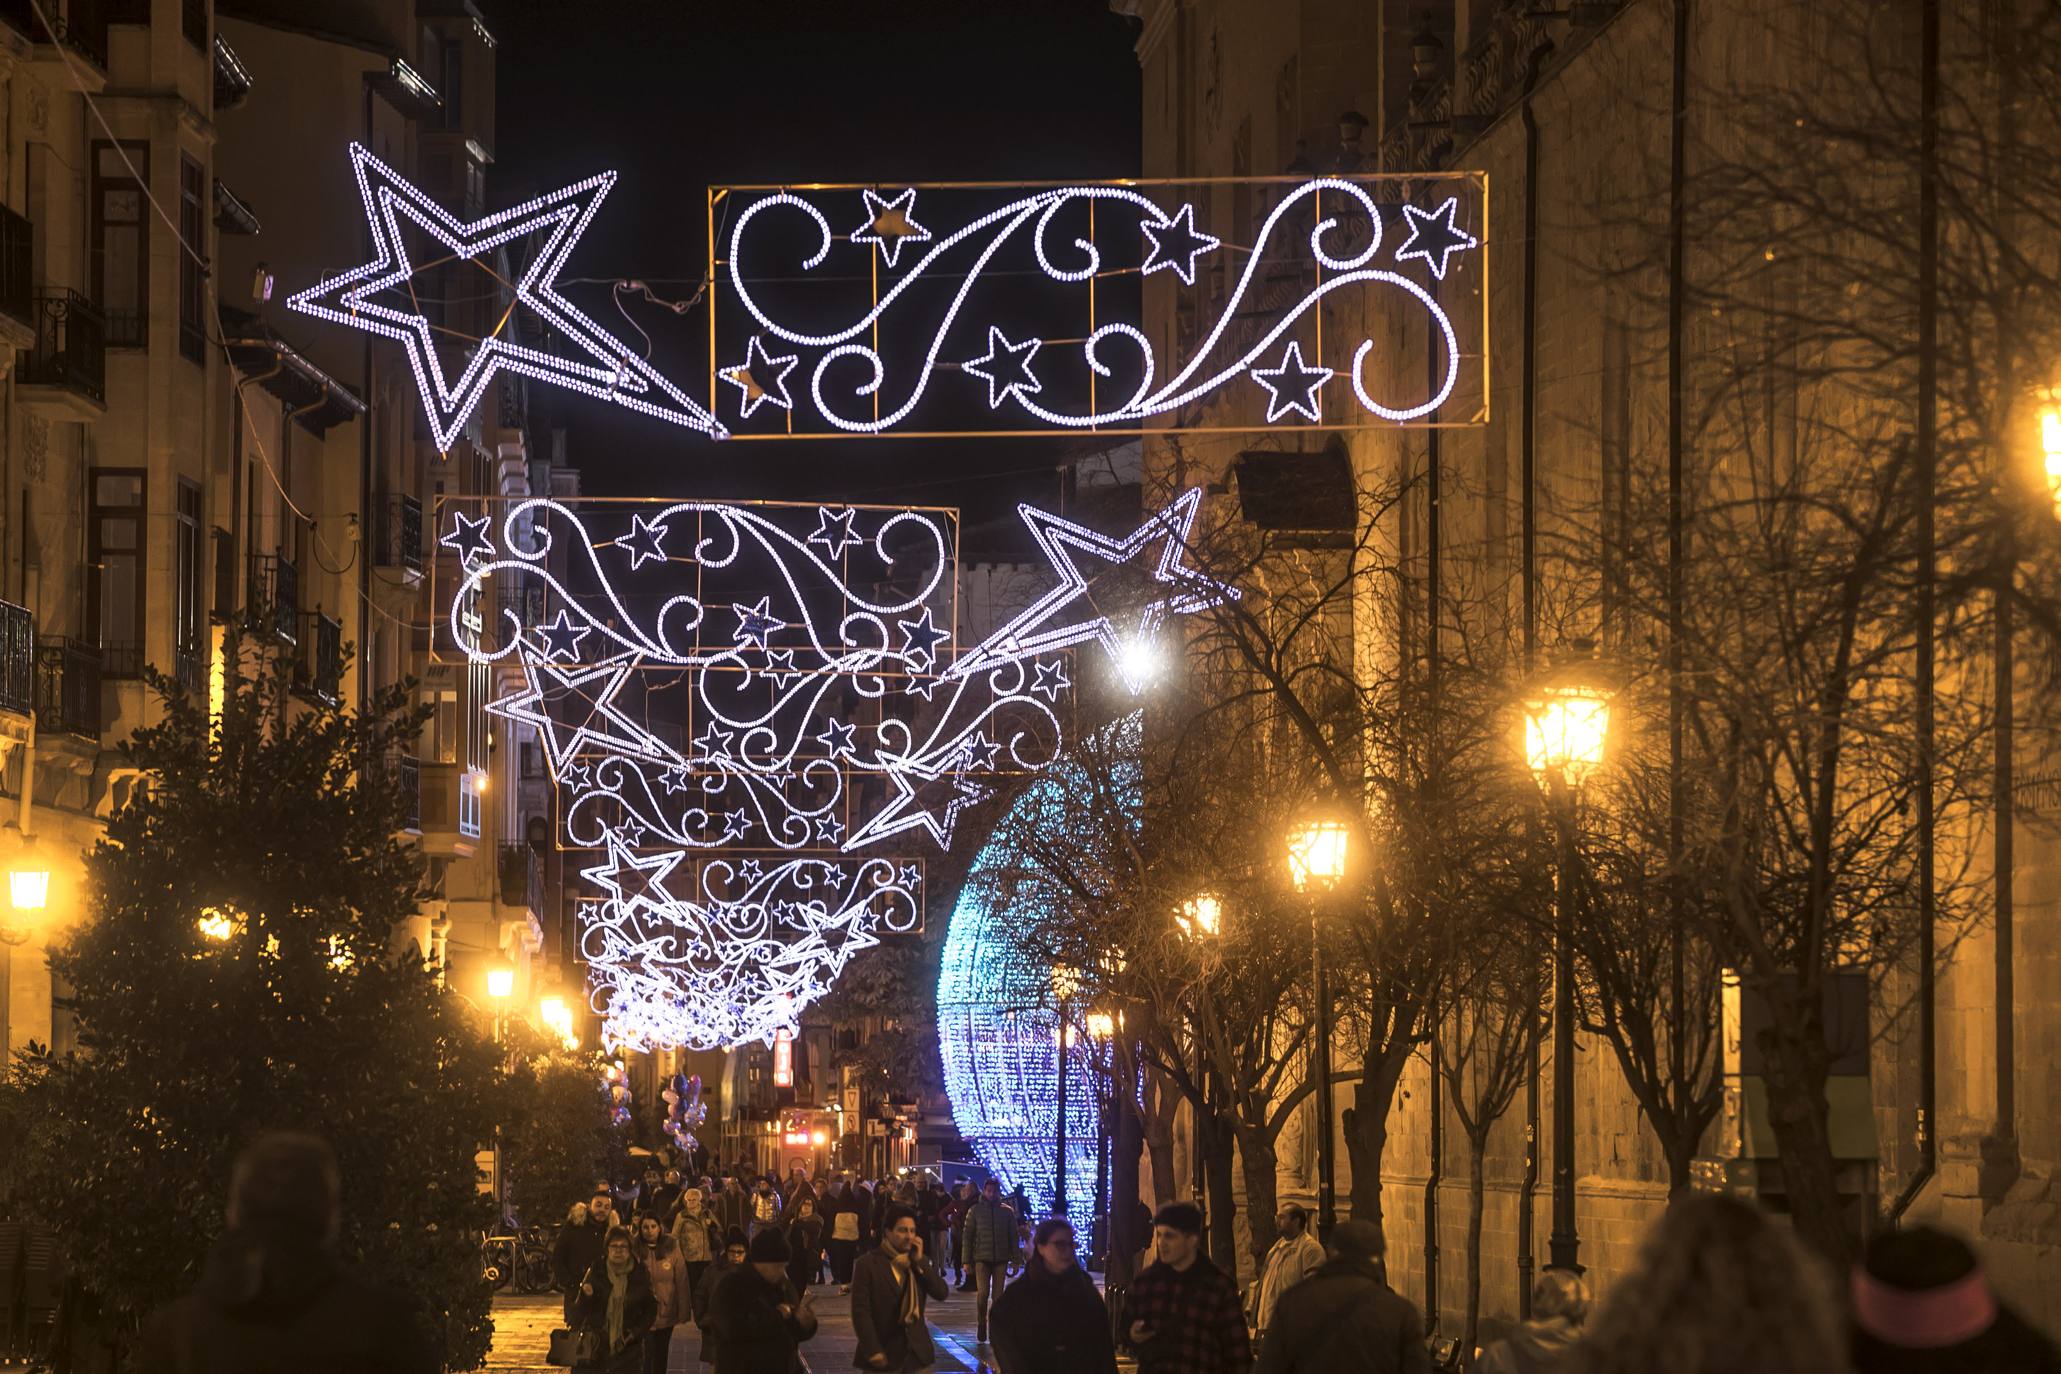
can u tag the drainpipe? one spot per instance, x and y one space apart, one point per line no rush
1928 437
1432 1183
1527 438
1677 291
1431 649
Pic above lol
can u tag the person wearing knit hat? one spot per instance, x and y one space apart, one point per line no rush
758 1319
733 1256
1345 1316
1184 1314
1922 1305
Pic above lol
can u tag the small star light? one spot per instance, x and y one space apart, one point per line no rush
760 378
1005 367
1292 386
1176 243
1434 237
890 223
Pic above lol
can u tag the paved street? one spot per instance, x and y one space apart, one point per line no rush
522 1333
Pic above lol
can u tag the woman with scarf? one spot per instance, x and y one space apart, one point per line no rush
700 1241
670 1288
1052 1321
805 1245
616 1303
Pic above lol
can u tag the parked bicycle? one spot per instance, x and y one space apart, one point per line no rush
519 1263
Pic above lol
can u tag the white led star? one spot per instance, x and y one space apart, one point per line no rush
1292 386
890 223
761 378
1434 237
1005 367
612 370
1176 243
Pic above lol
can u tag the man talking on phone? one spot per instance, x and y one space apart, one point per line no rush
890 1287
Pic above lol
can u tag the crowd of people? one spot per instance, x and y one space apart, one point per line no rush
1719 1287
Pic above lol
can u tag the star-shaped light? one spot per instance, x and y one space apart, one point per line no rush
980 752
1005 367
836 736
829 830
780 669
755 622
561 638
469 537
1292 386
714 742
919 686
577 776
573 708
610 369
920 637
890 223
1051 678
645 541
911 875
632 880
761 378
1434 237
834 530
751 870
632 832
736 825
676 780
1176 243
945 796
1067 614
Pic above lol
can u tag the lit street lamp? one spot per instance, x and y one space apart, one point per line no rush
1566 725
1101 1027
1066 984
2050 443
1317 852
28 891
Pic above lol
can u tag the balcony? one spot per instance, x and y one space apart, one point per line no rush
406 772
63 374
522 878
121 658
81 30
68 687
190 669
398 539
321 665
272 598
232 78
17 659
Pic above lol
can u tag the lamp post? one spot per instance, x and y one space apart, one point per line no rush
1316 861
1066 982
1101 1026
1566 723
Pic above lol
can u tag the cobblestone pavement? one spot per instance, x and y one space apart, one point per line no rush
522 1334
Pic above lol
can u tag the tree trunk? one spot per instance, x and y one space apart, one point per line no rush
1366 1128
1477 1147
1158 1123
1126 1142
1256 1156
1219 1172
1797 1064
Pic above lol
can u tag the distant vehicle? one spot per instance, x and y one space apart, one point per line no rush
953 1172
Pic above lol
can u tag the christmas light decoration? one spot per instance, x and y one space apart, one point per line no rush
998 1030
613 371
845 364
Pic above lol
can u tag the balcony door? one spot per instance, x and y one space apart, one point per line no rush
114 595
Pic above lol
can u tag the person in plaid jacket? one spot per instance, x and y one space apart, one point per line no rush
1184 1311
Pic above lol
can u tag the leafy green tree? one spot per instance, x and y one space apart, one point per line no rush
235 974
558 1138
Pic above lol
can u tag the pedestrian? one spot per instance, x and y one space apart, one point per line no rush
930 1211
954 1217
765 1206
805 1244
700 1240
735 1252
1344 1318
615 1304
1559 1308
731 1206
989 1244
1052 1321
273 1295
844 1237
1184 1313
672 1288
759 1317
1921 1305
890 1287
1717 1286
579 1245
1292 1258
665 1201
869 1222
647 1192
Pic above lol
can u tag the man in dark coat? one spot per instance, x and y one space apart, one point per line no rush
1343 1319
578 1248
1052 1321
273 1297
890 1286
1185 1317
758 1318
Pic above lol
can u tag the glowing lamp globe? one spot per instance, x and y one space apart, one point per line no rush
1317 853
1101 1026
28 889
1201 918
216 924
501 982
1565 728
2050 445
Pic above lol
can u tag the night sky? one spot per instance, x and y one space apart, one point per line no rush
678 96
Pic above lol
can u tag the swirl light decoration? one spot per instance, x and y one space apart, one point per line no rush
707 679
997 1026
1323 241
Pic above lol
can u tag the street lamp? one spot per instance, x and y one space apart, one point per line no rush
1066 983
1101 1027
1566 726
2050 442
28 891
1317 851
1201 917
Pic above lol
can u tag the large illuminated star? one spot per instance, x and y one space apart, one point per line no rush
573 707
944 796
890 223
634 880
1067 614
611 370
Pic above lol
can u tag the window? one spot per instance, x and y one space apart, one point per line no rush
121 242
450 69
114 574
443 725
188 557
193 229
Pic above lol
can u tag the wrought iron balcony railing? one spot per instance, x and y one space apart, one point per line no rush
272 600
522 878
190 668
71 345
68 686
17 659
399 536
321 668
406 772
